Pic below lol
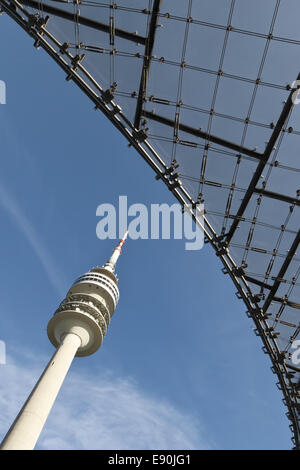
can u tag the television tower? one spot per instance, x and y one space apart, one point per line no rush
76 329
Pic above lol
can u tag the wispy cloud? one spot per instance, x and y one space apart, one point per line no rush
25 226
99 412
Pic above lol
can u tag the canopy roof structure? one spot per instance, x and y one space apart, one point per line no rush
207 93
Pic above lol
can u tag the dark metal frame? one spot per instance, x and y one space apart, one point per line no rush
204 135
146 64
84 21
35 26
260 168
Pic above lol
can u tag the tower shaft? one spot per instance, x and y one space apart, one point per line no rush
29 423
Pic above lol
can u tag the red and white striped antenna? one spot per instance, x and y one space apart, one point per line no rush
111 263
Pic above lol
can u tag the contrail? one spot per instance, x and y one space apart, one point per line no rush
27 229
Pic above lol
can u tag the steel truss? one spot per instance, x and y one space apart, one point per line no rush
105 100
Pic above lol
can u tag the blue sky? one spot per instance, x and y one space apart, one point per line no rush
180 366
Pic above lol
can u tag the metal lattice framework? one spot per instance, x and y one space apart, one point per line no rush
210 106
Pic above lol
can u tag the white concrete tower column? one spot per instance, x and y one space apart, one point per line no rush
29 423
76 329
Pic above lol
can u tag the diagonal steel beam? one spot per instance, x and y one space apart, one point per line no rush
261 166
282 271
257 282
279 197
290 366
83 20
146 64
204 135
289 303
